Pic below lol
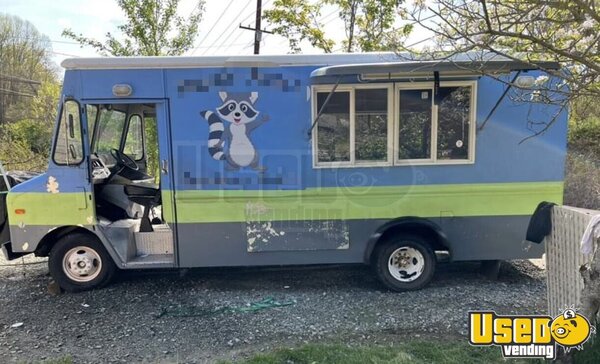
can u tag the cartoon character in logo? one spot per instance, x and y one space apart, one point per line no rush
570 329
238 110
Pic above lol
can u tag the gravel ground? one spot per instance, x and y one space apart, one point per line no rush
136 319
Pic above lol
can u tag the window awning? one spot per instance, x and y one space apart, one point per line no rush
427 68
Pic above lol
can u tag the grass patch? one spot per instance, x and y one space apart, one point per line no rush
409 352
591 351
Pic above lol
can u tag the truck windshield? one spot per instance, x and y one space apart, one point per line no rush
110 130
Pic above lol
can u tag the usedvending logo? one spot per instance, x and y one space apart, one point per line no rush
522 336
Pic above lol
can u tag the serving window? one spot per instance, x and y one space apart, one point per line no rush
355 127
383 124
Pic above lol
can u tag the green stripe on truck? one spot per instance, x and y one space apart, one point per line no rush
490 199
200 206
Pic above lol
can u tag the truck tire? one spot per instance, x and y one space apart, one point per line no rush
405 263
79 262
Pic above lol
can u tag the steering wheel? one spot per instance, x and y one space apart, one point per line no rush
124 160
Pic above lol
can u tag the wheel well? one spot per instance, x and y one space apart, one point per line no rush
433 236
48 241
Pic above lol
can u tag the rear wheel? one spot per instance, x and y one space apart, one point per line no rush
405 263
79 262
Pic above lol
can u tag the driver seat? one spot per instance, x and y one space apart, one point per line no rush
147 195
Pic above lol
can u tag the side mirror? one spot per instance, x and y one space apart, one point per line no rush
71 126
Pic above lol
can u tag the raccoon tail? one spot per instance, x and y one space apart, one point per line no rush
215 132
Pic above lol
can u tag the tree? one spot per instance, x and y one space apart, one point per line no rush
24 61
29 91
153 28
565 31
369 24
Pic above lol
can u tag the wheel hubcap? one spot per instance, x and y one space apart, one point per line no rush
406 264
82 264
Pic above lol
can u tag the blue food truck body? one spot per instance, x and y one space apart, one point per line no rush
272 160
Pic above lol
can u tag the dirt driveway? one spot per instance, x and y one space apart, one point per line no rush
210 314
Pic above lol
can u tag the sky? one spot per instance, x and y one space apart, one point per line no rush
219 32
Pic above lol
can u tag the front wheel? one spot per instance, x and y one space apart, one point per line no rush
79 262
405 263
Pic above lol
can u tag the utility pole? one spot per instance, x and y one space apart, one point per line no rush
257 31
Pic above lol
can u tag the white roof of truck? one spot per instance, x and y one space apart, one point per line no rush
321 60
227 61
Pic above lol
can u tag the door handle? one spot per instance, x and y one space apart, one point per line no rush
164 166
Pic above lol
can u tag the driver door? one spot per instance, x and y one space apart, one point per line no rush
139 129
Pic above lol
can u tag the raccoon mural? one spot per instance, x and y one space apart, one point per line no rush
241 119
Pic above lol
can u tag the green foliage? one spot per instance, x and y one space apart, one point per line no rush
29 96
44 106
584 127
153 28
31 133
151 147
24 63
563 31
25 145
369 24
582 181
297 20
584 136
410 352
591 351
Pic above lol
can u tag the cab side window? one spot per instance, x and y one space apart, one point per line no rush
68 146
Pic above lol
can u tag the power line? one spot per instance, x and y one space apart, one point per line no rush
19 79
233 30
236 17
65 42
45 40
328 15
240 33
13 92
64 54
227 46
238 36
257 27
223 45
214 25
336 10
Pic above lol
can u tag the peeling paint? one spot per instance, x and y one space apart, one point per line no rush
297 235
90 220
52 185
343 246
21 224
261 230
25 246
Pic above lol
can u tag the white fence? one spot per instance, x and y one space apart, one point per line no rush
564 258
